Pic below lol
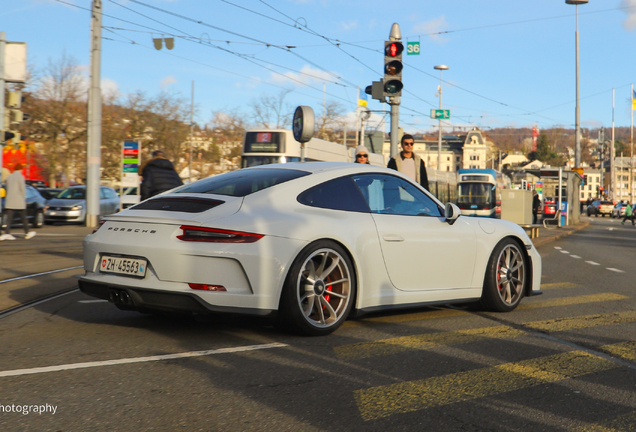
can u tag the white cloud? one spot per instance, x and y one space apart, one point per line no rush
630 10
429 28
109 88
349 25
307 76
167 81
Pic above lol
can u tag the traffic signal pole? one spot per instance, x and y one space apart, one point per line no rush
395 123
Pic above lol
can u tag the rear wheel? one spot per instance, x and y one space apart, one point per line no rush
319 290
505 277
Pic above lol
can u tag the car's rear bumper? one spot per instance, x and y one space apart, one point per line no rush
159 300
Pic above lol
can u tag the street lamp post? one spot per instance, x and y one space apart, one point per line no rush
441 69
577 148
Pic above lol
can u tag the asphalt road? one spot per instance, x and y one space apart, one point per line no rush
565 360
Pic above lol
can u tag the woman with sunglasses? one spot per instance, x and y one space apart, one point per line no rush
362 155
407 162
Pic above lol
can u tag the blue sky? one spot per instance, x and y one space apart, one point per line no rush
512 62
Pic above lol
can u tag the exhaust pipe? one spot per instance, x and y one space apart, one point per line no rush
125 299
113 297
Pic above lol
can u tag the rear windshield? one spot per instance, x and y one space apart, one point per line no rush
607 202
242 182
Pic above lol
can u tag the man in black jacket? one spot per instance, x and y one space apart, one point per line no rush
407 162
158 175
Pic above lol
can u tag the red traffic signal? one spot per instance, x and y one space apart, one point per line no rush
393 49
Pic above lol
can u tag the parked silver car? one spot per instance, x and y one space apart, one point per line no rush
70 205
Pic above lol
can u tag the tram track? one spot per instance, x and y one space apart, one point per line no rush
40 299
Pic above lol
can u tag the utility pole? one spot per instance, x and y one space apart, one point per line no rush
93 151
191 134
612 168
3 44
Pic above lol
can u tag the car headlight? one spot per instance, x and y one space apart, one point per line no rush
77 207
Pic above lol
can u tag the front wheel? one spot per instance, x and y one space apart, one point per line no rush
505 277
319 290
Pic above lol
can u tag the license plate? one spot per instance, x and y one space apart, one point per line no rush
122 265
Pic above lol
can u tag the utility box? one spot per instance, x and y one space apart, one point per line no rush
516 206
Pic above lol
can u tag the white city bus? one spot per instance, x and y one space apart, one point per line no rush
269 146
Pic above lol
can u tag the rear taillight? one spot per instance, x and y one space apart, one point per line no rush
206 287
213 235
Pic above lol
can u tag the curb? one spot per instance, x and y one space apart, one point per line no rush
543 240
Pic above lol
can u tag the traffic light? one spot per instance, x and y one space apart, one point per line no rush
584 180
376 90
393 68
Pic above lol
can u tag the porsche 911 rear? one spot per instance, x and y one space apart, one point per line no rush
160 255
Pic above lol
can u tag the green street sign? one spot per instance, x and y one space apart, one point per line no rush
412 48
440 114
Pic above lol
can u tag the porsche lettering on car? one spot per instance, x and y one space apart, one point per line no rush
308 243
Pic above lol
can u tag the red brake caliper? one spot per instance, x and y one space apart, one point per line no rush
328 297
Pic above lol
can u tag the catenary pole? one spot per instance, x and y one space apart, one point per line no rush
3 44
93 152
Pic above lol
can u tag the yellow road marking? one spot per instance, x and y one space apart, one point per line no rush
422 342
431 340
566 301
442 313
586 321
384 401
625 350
559 285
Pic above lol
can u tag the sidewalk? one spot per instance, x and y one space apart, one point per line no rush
547 235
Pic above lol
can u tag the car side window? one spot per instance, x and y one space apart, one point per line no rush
388 194
102 193
110 194
338 194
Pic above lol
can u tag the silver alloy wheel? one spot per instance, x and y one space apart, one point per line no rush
324 288
511 274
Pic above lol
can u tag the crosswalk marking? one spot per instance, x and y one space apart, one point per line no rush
592 262
384 401
615 270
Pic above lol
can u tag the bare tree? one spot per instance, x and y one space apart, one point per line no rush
271 111
330 124
58 108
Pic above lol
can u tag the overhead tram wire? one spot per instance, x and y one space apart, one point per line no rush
245 57
287 48
235 73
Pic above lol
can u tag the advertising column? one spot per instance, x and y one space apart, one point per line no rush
130 168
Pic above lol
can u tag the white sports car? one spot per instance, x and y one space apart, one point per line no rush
309 243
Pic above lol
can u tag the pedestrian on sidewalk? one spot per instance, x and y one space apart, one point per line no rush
15 201
158 175
629 213
536 205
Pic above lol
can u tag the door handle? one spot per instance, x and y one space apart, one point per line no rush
393 238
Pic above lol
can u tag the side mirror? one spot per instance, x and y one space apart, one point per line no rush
451 213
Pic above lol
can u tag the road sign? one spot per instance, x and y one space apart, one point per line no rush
412 48
440 114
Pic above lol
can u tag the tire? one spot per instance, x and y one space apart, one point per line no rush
38 220
505 277
319 290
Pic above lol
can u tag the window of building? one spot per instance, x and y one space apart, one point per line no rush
457 159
